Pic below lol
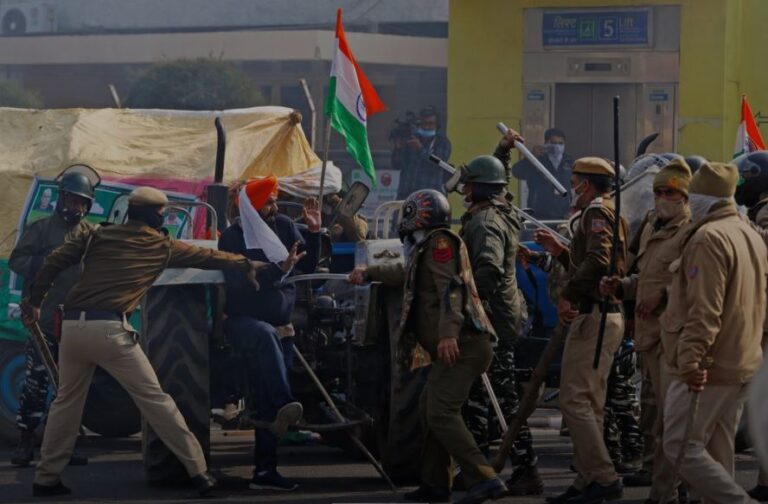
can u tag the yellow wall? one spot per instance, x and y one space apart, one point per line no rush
722 45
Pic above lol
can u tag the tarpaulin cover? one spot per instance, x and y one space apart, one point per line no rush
141 146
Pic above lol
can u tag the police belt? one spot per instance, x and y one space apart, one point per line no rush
588 306
93 315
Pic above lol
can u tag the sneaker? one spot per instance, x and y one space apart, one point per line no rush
525 481
50 490
24 453
427 493
759 493
493 488
288 415
270 479
595 493
641 478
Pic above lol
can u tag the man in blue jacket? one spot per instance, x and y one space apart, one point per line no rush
259 321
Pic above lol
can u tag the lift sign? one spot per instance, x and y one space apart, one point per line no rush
570 28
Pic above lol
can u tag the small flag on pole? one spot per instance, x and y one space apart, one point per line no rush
748 137
351 99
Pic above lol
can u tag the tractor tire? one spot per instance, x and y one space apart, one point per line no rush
109 410
12 375
175 338
399 427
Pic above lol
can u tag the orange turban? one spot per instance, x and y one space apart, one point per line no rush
260 190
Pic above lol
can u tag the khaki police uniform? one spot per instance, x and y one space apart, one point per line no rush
441 301
583 389
716 310
657 245
119 264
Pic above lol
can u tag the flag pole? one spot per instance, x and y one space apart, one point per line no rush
326 148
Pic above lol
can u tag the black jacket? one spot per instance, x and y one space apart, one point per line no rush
273 303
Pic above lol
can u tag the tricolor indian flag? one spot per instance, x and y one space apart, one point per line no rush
351 99
748 137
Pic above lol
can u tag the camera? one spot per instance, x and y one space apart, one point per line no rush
404 128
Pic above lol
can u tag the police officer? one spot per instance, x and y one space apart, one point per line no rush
491 231
654 248
582 389
443 315
753 193
40 238
118 265
711 333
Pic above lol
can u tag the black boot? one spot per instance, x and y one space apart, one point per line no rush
570 493
759 493
204 483
595 493
50 490
24 453
525 480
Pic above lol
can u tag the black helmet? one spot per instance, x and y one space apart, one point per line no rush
424 209
485 170
695 162
78 184
753 174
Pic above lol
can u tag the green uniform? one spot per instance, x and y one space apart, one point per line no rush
491 230
441 301
39 239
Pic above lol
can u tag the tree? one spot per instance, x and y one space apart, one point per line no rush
11 95
199 84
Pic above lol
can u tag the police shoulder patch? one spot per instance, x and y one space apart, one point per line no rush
442 251
598 225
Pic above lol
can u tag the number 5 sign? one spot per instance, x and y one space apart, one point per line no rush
609 29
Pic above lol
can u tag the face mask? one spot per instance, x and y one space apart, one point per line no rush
71 216
701 204
426 133
669 209
147 215
575 195
556 150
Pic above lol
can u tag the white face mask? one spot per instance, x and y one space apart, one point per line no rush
667 210
555 150
575 195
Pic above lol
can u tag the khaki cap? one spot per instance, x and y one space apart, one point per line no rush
715 179
147 196
593 166
676 175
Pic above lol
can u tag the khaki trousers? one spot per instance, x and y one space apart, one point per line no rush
582 394
708 465
111 345
662 466
446 437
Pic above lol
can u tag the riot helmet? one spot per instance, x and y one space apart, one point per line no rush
753 175
695 162
423 210
485 170
76 195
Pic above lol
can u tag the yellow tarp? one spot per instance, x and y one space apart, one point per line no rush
125 143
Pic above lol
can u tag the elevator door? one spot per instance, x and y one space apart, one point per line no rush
585 113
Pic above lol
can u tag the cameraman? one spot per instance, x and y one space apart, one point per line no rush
416 170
